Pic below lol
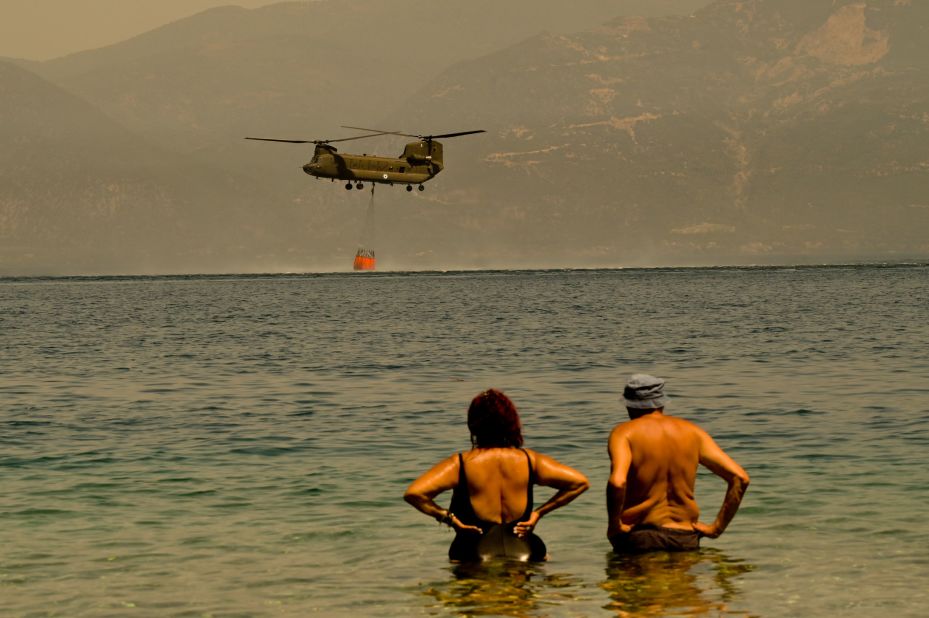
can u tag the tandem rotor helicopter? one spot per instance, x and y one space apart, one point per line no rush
420 161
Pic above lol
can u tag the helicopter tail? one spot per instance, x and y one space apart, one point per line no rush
425 152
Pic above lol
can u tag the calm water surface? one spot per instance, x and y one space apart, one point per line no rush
239 446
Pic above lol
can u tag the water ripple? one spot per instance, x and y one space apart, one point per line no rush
189 446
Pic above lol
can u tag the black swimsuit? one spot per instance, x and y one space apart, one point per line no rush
497 540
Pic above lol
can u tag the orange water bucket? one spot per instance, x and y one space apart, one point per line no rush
364 260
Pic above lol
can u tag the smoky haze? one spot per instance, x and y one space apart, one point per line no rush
45 29
619 133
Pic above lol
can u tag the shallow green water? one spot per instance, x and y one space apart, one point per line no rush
238 446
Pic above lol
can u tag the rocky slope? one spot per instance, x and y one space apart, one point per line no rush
750 131
753 131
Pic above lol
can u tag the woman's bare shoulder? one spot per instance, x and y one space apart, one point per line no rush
540 459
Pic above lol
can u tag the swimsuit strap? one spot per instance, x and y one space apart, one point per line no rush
531 471
461 497
532 480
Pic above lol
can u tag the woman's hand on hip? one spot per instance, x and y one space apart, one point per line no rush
460 526
525 528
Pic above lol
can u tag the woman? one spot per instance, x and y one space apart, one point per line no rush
491 509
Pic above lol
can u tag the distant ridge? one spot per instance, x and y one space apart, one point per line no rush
745 132
752 131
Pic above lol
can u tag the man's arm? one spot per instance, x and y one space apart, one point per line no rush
620 461
724 467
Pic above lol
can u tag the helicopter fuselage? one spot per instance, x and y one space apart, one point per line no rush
419 162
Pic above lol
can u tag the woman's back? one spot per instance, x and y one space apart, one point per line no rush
498 481
491 509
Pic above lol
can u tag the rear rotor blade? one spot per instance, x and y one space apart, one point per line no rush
451 134
422 137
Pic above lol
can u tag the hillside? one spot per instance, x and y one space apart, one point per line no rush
79 193
65 171
752 132
148 164
749 131
295 66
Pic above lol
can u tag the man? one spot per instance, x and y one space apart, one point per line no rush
650 494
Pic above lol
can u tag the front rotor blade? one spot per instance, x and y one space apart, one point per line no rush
286 141
381 132
345 139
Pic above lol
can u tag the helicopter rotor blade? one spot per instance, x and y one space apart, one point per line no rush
346 139
380 132
422 137
372 133
429 137
316 141
287 141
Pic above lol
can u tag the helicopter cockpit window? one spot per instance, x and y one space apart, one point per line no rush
402 169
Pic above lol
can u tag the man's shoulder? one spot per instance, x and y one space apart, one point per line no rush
644 423
684 424
628 429
649 423
620 428
680 420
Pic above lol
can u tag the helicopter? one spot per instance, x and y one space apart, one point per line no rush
421 160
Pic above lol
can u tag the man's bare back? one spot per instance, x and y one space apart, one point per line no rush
654 467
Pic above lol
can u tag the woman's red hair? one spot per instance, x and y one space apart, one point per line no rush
494 421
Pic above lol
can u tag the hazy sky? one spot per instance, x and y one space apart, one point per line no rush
43 29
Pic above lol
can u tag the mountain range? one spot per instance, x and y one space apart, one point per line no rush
731 132
752 131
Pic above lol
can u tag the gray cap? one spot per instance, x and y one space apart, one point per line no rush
644 392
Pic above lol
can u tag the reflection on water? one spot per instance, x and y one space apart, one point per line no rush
704 583
159 434
673 583
501 588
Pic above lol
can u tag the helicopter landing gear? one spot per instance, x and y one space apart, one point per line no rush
348 186
422 188
359 186
409 187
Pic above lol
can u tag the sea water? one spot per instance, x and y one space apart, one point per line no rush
239 445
